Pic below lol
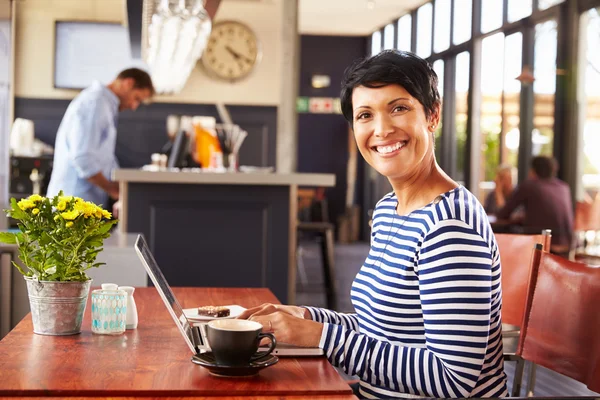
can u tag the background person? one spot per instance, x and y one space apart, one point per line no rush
496 199
546 202
84 152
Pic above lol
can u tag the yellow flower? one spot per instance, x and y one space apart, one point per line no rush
70 215
36 197
61 205
106 214
69 224
56 217
66 199
35 211
83 207
26 204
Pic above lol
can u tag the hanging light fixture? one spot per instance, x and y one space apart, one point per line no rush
174 33
526 77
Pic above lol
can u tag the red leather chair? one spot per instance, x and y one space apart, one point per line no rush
561 324
515 256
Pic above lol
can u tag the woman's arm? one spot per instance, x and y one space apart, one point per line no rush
324 315
456 281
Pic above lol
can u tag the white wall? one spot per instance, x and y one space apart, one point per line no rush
35 50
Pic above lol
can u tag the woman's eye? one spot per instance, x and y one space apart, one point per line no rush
363 116
400 108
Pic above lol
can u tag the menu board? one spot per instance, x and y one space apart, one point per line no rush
88 51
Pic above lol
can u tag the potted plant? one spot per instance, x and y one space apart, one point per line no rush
59 239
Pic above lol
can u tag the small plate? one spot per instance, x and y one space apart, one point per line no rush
207 360
192 313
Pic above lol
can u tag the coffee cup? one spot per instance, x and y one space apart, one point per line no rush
234 342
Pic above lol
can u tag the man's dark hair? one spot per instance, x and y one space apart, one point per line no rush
544 167
392 67
140 77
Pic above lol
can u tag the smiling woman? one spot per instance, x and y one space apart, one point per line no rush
428 296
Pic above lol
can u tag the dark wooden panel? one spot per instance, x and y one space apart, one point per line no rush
150 361
215 235
323 138
222 232
143 132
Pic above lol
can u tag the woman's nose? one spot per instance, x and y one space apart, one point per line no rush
383 126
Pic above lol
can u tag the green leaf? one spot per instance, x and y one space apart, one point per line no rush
7 237
15 211
17 266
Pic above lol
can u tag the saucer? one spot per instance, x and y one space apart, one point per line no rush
207 360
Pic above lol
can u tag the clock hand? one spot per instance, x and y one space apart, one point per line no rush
237 55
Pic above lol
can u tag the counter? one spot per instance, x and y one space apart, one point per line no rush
218 229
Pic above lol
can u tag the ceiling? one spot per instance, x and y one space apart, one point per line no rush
350 17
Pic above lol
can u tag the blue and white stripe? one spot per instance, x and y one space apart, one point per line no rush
427 303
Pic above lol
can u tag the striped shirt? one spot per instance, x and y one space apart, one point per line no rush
427 303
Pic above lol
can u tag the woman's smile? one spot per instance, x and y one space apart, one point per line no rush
390 148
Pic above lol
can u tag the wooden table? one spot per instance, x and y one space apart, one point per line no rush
152 360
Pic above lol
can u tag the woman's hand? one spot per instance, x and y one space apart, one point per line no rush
290 329
268 308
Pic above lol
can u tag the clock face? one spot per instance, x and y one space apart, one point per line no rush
232 51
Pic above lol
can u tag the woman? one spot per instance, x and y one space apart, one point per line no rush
428 296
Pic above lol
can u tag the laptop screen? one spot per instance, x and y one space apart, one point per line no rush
191 335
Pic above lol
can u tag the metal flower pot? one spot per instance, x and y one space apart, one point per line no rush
57 307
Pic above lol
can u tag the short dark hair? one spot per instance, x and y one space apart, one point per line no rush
392 67
140 77
544 167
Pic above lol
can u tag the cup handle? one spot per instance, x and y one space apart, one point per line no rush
262 354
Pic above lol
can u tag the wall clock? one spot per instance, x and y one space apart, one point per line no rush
232 51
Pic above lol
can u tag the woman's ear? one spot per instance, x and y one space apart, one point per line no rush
434 119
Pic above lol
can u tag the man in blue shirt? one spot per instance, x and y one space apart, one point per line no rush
84 153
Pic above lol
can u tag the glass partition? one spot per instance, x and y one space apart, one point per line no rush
492 72
404 32
441 40
510 136
463 10
544 88
388 37
491 15
462 107
375 43
590 24
424 24
519 9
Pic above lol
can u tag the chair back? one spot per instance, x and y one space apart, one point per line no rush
561 324
515 257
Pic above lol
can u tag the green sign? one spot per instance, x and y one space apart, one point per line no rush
302 104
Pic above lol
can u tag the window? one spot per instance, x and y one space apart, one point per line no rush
442 25
491 15
544 88
518 9
424 22
513 50
543 4
388 37
463 10
404 32
438 67
462 106
375 43
492 82
590 25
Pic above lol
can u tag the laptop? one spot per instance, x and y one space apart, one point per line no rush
194 333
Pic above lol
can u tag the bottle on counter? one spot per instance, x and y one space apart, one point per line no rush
131 319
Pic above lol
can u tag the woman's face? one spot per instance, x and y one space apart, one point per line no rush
391 130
